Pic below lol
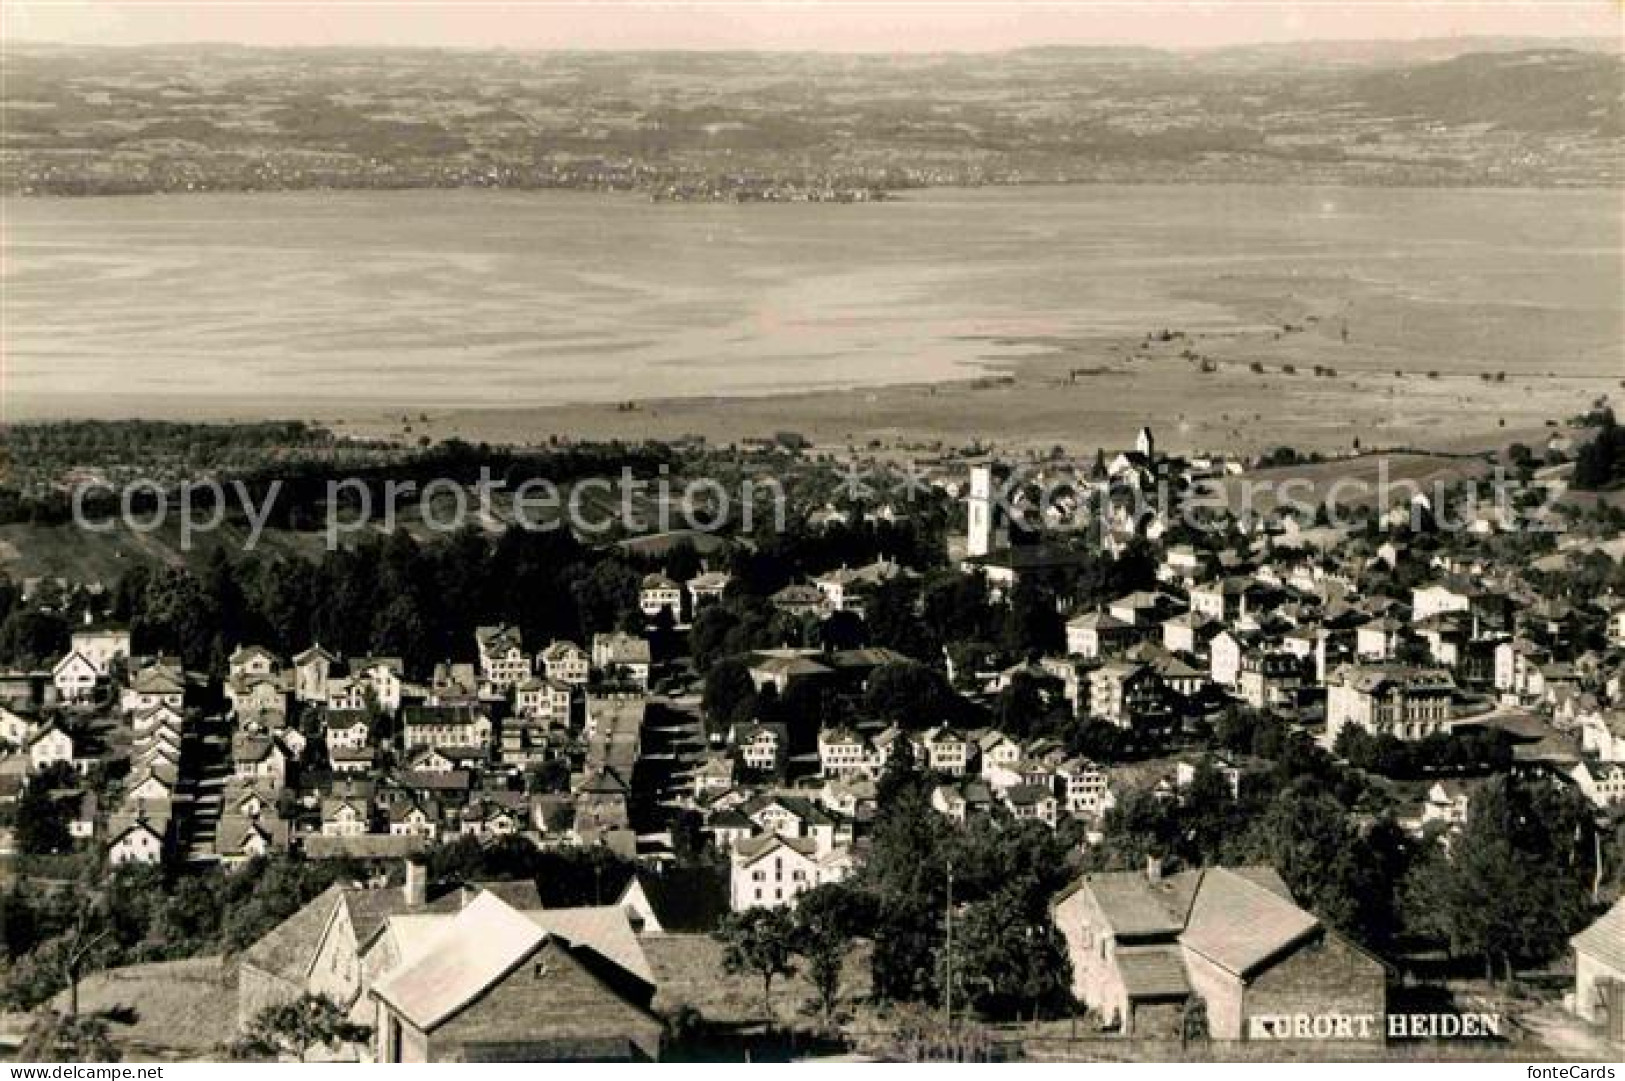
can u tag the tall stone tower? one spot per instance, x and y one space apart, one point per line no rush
986 528
1146 444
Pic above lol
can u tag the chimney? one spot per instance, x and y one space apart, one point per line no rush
416 885
1153 868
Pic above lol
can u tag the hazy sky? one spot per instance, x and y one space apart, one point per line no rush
824 25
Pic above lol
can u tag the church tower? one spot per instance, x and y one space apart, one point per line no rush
986 530
1146 444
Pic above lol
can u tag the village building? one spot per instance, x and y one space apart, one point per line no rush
843 752
500 985
258 756
346 729
779 668
1271 680
706 588
945 750
565 662
102 646
1096 634
963 799
1128 695
545 700
1407 703
849 589
659 593
251 660
623 658
799 599
141 840
50 746
1144 946
762 747
446 727
503 662
675 901
311 671
771 871
76 678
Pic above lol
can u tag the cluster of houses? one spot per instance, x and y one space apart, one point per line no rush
360 757
334 756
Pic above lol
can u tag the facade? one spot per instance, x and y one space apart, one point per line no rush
1407 703
843 753
1127 695
1599 970
311 670
660 594
445 727
76 678
771 871
567 663
503 662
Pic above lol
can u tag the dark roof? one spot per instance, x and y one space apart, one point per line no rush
366 846
1032 557
1153 972
687 900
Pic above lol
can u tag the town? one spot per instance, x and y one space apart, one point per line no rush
922 777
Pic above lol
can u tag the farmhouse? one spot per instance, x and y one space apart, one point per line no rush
1143 946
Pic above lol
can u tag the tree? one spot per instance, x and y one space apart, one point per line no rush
1307 836
730 695
759 942
1033 622
42 824
292 1030
910 694
828 918
1516 882
29 637
1025 702
1008 955
841 630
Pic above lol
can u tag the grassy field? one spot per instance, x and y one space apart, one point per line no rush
1358 481
172 1011
689 970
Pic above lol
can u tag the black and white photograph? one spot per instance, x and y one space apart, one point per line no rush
771 532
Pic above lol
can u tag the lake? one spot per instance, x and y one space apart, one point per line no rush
304 303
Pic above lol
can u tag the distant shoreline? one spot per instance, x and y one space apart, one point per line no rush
883 195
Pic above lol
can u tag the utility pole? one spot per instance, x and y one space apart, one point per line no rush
948 966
